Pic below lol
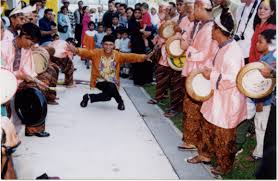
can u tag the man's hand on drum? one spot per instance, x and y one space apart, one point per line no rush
266 72
41 84
206 73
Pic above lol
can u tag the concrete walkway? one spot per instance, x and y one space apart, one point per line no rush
101 142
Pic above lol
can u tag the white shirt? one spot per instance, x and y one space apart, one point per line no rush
154 19
246 43
124 45
117 44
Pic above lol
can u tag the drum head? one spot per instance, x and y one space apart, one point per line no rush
176 63
8 85
41 58
251 83
167 29
173 47
31 106
198 87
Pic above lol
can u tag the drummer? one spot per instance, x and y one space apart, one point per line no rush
227 107
105 70
198 55
17 58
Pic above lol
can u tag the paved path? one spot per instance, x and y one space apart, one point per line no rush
101 142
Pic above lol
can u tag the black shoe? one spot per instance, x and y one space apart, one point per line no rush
39 134
85 100
121 106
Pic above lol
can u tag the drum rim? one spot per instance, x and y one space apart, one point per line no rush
168 42
15 81
41 98
172 65
46 57
162 27
243 71
190 91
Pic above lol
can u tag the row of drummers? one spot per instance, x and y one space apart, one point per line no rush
29 77
204 68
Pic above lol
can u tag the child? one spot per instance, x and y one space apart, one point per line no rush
105 70
146 23
115 25
89 39
124 47
99 35
117 41
263 105
108 30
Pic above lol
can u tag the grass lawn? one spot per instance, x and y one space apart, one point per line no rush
243 169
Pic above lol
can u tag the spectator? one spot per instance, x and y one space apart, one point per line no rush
146 24
117 6
66 3
263 105
40 4
100 13
99 35
78 17
154 19
45 27
6 18
107 17
243 33
138 6
93 15
122 16
224 4
115 25
265 19
64 21
89 40
129 13
108 31
85 21
118 39
124 46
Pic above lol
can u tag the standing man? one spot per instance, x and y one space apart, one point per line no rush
78 16
122 16
100 13
243 34
70 14
107 17
46 29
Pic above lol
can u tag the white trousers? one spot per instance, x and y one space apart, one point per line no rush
261 119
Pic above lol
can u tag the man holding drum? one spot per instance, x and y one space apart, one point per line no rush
17 58
227 107
198 55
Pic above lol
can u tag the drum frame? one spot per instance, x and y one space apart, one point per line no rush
243 71
168 42
191 92
172 65
16 85
46 56
163 26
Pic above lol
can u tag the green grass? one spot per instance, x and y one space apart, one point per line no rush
243 169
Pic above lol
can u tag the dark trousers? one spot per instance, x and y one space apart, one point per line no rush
109 90
78 33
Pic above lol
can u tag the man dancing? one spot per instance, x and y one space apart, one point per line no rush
105 70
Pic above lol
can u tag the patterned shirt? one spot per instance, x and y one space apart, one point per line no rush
107 70
72 19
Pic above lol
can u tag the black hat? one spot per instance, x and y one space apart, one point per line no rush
109 38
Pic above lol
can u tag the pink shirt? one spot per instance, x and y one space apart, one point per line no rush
26 63
227 107
201 51
8 35
61 50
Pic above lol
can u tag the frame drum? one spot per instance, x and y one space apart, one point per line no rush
167 29
31 106
173 47
198 87
41 59
176 63
251 83
8 85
